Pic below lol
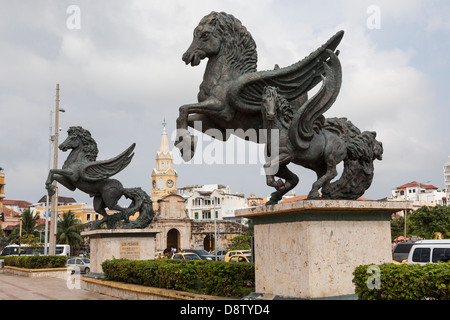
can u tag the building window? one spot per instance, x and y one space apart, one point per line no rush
88 217
196 215
206 215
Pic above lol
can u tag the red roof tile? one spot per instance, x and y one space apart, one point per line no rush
20 203
416 184
10 213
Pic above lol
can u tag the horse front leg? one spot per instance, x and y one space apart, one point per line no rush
61 176
185 142
291 180
273 168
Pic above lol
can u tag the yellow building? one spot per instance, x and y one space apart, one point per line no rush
164 177
84 212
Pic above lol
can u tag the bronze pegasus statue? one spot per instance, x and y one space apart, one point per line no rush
82 171
230 101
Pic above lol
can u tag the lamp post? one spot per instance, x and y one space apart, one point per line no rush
54 199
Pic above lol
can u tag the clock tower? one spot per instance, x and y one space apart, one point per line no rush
164 177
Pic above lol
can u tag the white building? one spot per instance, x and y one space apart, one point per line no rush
420 194
203 202
447 179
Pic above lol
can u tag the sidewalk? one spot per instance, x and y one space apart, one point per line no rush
14 287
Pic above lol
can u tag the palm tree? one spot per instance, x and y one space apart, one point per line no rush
30 225
68 230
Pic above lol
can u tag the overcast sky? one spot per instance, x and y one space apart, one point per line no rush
120 73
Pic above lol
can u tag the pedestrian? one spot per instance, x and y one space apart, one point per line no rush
167 253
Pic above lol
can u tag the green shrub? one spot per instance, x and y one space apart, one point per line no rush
206 277
405 282
35 262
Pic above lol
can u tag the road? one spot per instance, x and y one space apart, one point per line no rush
14 287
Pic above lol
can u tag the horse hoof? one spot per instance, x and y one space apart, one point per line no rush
280 186
50 190
313 195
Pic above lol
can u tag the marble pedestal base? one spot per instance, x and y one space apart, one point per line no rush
309 249
131 244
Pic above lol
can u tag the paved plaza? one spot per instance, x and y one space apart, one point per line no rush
13 287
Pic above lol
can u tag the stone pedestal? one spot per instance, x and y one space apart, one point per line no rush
131 244
309 249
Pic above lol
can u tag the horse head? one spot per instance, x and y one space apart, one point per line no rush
80 138
269 103
221 33
276 107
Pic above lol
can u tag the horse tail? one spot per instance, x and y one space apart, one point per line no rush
362 150
140 202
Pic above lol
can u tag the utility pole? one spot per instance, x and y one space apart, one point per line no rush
47 200
54 199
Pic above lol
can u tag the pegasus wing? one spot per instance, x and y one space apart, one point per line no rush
309 118
293 81
98 170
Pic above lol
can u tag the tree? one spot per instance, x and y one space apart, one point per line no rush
30 225
240 243
68 230
398 227
425 221
33 242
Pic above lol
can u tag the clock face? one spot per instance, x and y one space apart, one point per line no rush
154 184
169 183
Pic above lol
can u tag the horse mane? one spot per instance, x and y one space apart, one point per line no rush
89 145
240 46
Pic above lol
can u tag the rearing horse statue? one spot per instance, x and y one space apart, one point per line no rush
82 171
230 98
230 94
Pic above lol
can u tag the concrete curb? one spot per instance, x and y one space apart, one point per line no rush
129 291
59 273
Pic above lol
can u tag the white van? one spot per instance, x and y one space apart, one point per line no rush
429 251
25 250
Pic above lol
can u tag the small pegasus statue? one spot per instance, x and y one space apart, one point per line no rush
82 171
308 139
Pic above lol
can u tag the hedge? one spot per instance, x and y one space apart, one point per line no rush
404 282
206 277
35 262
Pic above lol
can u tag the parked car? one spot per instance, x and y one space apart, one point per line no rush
221 253
203 254
186 256
79 265
429 251
234 252
401 251
241 258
